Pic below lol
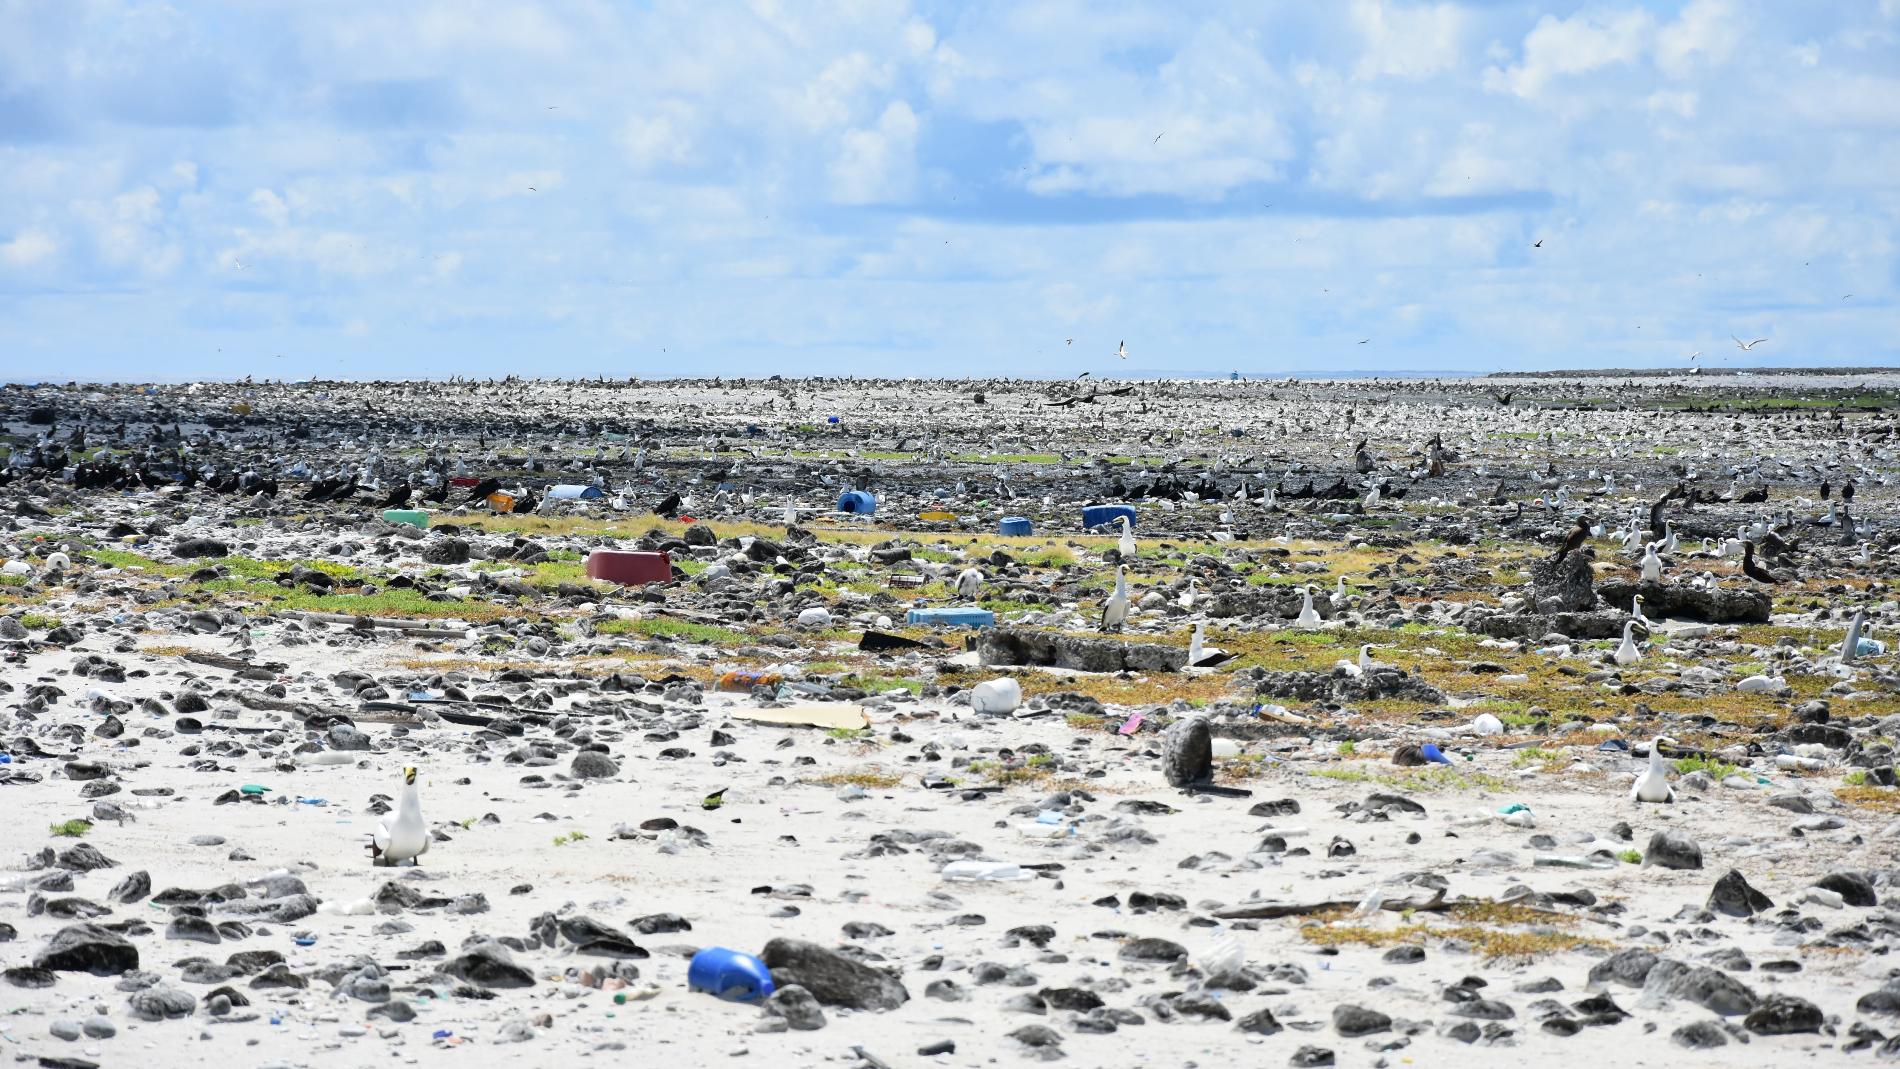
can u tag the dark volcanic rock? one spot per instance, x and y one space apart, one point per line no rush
1661 601
832 978
1783 1015
1187 752
1082 653
488 965
200 547
88 948
1712 989
1673 850
1733 895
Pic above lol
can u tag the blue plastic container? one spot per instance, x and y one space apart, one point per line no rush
729 975
573 492
952 616
1013 525
1097 515
857 502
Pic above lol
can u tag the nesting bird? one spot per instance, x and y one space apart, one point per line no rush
1653 784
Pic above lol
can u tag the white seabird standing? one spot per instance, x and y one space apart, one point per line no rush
403 835
1115 609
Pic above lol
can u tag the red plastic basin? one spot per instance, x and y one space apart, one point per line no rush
630 567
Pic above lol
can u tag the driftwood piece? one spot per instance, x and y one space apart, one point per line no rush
1270 910
232 664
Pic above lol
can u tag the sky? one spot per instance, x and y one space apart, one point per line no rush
904 187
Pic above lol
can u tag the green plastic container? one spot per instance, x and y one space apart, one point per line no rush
412 517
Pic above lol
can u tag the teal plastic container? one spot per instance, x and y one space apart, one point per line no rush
412 517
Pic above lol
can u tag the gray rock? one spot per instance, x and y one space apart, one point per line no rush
1783 1015
592 764
99 1027
1733 895
445 551
1159 951
797 1007
1353 1021
1565 585
1712 989
1260 1022
200 547
162 1003
1627 967
88 948
1082 653
1484 1009
487 964
1700 1035
1723 605
1037 1036
132 887
1672 850
832 978
1885 1002
1854 888
193 929
1310 1057
83 857
1187 752
64 1028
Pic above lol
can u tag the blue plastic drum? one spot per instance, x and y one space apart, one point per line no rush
729 975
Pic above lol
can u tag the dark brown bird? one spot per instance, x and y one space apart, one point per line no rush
1578 536
1755 571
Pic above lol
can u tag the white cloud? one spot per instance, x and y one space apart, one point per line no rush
1680 103
1409 41
29 248
1707 29
877 163
1557 48
660 136
271 206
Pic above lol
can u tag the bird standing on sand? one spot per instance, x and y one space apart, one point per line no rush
406 836
1653 785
